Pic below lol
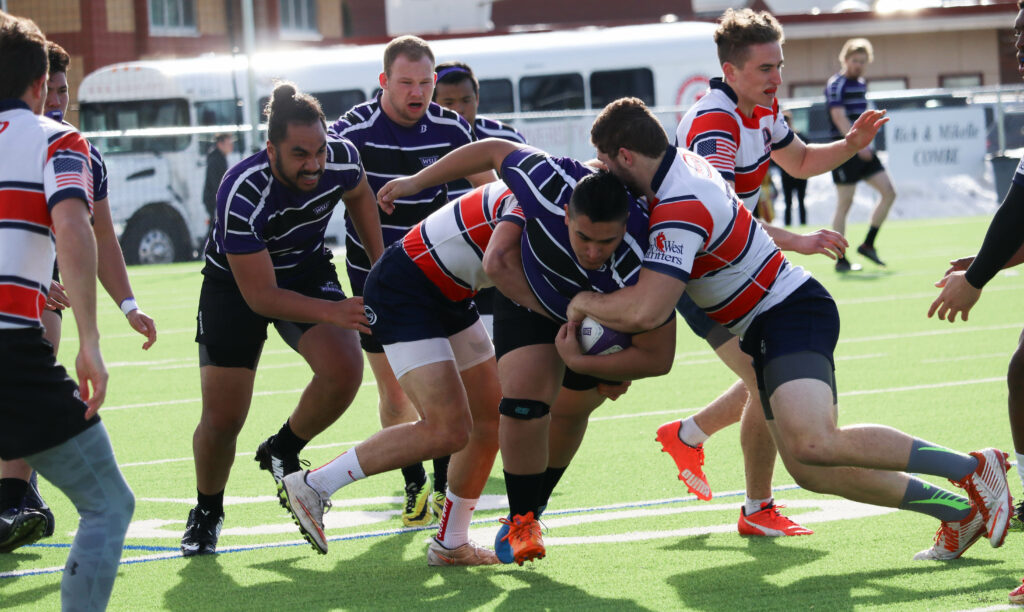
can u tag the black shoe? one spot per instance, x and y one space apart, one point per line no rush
278 465
20 527
844 265
35 501
870 253
201 532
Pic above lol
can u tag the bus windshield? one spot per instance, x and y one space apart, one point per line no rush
134 115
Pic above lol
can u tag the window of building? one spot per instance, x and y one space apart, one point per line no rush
887 84
551 92
609 85
172 17
950 81
335 103
217 112
298 17
496 96
137 115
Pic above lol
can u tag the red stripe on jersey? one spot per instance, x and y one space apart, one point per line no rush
21 205
416 248
687 211
730 249
21 301
747 182
471 209
71 141
752 294
713 121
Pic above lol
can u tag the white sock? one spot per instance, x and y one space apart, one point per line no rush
1020 467
342 470
751 506
453 528
691 434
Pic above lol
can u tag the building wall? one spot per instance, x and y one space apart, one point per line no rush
912 56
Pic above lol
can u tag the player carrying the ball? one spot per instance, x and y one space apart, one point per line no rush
582 231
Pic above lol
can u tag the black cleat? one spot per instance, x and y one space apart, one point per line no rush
201 532
870 253
20 527
844 265
34 501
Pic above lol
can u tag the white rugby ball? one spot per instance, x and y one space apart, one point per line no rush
596 339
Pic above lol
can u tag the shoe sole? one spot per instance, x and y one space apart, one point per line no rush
686 476
282 495
534 552
29 532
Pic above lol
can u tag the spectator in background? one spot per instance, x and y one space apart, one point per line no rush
793 186
216 166
845 98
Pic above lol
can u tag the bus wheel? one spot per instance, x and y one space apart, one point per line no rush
152 238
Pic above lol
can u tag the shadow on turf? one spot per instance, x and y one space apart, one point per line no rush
10 562
749 584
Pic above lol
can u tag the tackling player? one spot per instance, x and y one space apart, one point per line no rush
704 242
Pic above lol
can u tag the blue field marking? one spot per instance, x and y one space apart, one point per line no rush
175 553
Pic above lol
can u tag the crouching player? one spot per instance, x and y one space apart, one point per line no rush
418 300
581 231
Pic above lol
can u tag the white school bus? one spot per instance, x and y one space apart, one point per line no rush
154 121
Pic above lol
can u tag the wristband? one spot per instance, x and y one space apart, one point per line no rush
128 304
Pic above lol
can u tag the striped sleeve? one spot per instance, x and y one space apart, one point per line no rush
679 229
99 174
344 156
715 136
240 202
834 91
782 135
542 184
68 171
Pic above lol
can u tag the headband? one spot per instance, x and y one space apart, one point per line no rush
453 70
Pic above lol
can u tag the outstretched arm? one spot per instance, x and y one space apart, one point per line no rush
824 241
802 160
469 160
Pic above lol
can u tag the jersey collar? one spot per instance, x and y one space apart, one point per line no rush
7 104
666 163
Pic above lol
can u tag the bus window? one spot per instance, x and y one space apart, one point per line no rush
551 92
609 85
496 96
217 112
138 114
335 103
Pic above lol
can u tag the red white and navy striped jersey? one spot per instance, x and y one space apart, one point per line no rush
701 234
449 244
737 145
41 163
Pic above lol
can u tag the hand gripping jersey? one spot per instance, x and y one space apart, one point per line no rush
255 212
736 145
851 94
448 246
390 151
41 163
543 185
701 234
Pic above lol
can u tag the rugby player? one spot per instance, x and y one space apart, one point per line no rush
267 263
398 133
738 128
568 243
1003 247
845 99
19 491
704 242
48 420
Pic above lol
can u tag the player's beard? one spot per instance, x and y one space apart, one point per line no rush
291 183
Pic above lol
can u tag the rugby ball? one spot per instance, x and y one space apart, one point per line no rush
596 339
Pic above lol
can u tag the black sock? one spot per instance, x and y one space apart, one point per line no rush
285 442
524 492
870 240
414 474
441 473
551 478
211 503
12 492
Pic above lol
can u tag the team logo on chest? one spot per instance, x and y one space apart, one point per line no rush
767 135
426 161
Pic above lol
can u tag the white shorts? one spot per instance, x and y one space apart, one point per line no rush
467 348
